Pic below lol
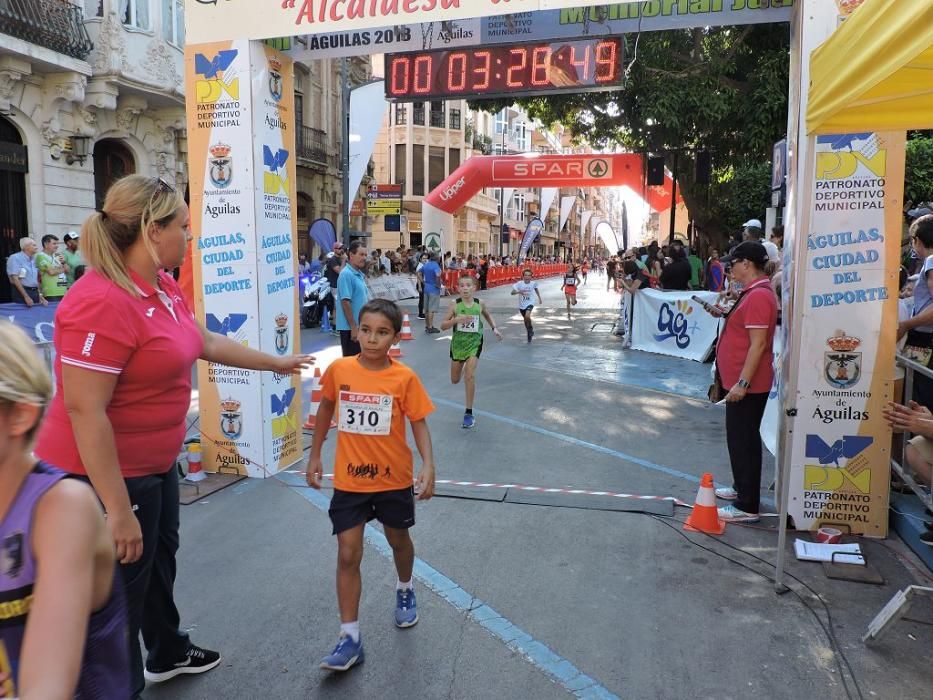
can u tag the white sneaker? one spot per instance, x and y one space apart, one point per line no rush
731 514
727 493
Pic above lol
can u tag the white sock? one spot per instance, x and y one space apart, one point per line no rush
352 629
403 585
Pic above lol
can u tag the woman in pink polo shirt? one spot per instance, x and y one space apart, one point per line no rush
743 359
125 343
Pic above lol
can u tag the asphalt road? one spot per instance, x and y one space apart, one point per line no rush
531 601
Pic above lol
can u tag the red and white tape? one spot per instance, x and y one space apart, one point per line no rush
543 489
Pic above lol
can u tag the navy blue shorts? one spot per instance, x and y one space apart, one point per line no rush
394 509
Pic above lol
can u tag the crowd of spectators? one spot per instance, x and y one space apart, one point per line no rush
38 276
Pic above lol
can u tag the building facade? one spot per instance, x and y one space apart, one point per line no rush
93 90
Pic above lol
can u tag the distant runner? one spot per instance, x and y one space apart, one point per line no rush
465 316
525 303
569 287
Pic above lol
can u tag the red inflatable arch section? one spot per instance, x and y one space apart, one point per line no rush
535 170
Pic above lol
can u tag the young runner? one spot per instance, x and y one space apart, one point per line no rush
63 626
584 269
524 288
569 287
373 396
465 316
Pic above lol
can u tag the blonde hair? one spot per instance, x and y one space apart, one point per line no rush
23 376
133 203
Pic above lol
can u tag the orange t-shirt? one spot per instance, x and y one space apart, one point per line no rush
371 408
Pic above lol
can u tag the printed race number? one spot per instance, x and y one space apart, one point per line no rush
365 414
472 326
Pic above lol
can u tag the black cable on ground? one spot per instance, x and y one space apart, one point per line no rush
829 630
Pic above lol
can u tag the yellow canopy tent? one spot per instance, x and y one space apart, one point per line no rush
875 72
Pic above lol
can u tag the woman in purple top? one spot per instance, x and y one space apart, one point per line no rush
62 620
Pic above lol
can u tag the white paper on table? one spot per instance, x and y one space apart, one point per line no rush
817 551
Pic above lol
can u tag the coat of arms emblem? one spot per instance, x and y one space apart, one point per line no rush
842 366
221 171
281 334
231 419
275 79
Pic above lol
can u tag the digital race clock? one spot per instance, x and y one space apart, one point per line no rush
511 70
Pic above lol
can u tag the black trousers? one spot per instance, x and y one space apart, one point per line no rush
743 421
420 303
149 583
348 346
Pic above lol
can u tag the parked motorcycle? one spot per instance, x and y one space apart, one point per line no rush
315 290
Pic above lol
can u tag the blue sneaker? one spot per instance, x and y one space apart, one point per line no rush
406 608
468 420
345 655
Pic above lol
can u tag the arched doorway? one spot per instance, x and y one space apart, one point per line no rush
112 160
14 164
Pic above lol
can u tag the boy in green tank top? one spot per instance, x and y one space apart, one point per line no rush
465 315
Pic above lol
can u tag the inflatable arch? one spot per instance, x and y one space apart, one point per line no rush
532 170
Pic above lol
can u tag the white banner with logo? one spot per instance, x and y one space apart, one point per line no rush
671 323
240 104
771 419
566 206
847 311
368 107
392 287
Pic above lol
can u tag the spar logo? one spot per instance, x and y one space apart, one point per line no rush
673 323
284 419
841 466
275 177
841 156
218 79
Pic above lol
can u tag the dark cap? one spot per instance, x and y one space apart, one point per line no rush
71 236
747 250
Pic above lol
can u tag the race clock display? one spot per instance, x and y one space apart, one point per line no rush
511 70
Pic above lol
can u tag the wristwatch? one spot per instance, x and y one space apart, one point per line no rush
743 383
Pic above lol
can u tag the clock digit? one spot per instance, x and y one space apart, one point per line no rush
422 80
484 58
582 65
606 64
514 68
400 75
456 72
540 62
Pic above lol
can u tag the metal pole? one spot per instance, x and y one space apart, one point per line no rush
345 146
673 201
502 189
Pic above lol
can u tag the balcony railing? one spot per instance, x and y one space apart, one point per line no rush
417 115
311 144
437 119
54 24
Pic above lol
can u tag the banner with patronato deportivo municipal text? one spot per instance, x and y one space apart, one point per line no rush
840 447
672 323
240 105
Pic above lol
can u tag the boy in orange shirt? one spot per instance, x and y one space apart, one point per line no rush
373 395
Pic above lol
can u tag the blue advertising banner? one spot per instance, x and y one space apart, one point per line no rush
38 321
535 227
610 19
323 233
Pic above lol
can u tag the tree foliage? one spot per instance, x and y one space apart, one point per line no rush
721 89
918 181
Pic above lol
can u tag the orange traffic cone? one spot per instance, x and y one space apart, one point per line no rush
316 392
406 329
705 517
194 463
395 350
